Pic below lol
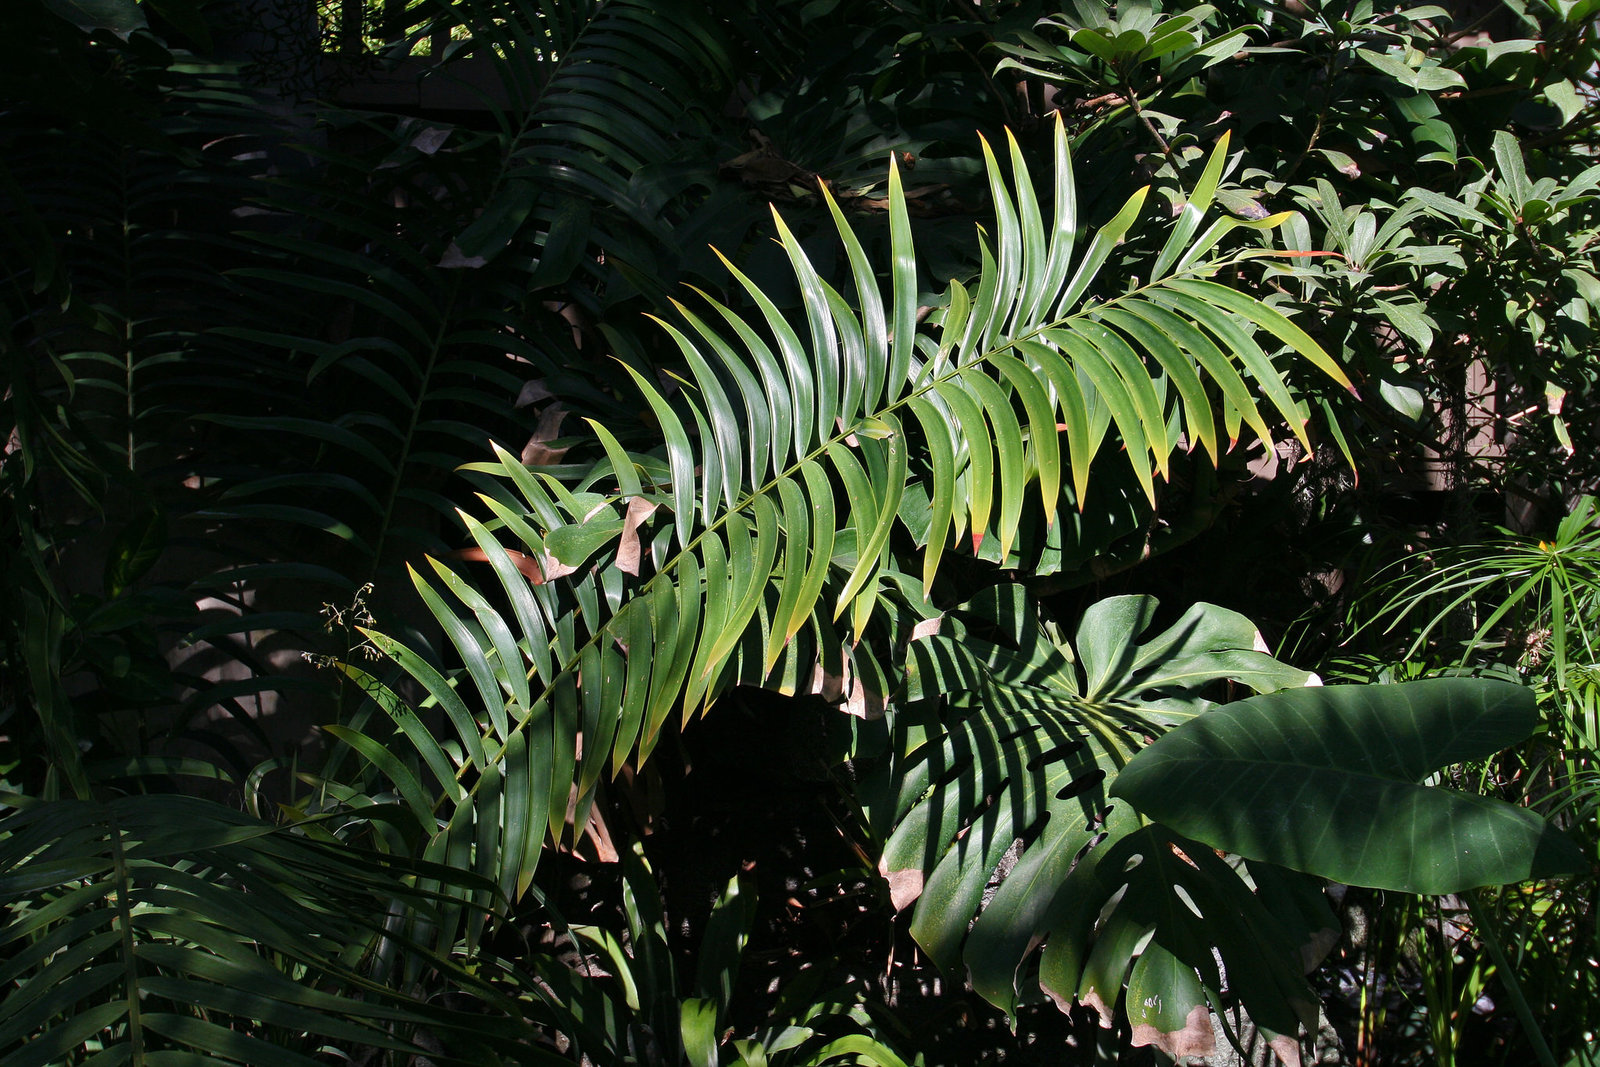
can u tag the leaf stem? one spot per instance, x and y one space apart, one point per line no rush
1133 101
1519 1001
130 962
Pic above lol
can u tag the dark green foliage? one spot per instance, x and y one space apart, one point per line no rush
1325 780
355 419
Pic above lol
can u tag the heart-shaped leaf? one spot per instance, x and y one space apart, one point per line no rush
1326 781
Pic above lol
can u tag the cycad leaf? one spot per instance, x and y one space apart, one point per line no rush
904 274
748 581
172 912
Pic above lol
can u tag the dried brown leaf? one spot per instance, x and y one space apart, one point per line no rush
862 702
1195 1039
526 564
453 259
630 549
532 392
904 886
537 453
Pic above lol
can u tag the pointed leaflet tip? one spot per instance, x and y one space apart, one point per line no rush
1287 1049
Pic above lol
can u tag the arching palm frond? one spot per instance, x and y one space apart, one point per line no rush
407 291
764 540
598 111
119 229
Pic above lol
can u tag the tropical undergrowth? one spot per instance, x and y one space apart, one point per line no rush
356 418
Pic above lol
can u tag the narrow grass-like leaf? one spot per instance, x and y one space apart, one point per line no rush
802 386
470 644
718 600
440 689
725 424
1180 371
941 459
1009 240
416 732
874 324
871 543
1140 386
1074 414
1194 210
904 275
819 492
1035 263
390 766
1010 452
1219 369
757 431
508 667
1108 384
626 472
1244 348
980 456
1269 319
680 454
1105 239
779 404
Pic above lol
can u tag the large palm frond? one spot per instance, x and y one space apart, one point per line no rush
599 112
167 929
762 542
118 229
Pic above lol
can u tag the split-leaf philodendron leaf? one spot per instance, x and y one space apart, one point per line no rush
1327 781
1118 903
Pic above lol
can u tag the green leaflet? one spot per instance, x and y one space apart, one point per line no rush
639 998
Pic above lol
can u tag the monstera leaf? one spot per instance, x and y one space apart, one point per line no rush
1327 781
1117 902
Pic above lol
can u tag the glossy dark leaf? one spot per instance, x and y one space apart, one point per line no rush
1328 781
